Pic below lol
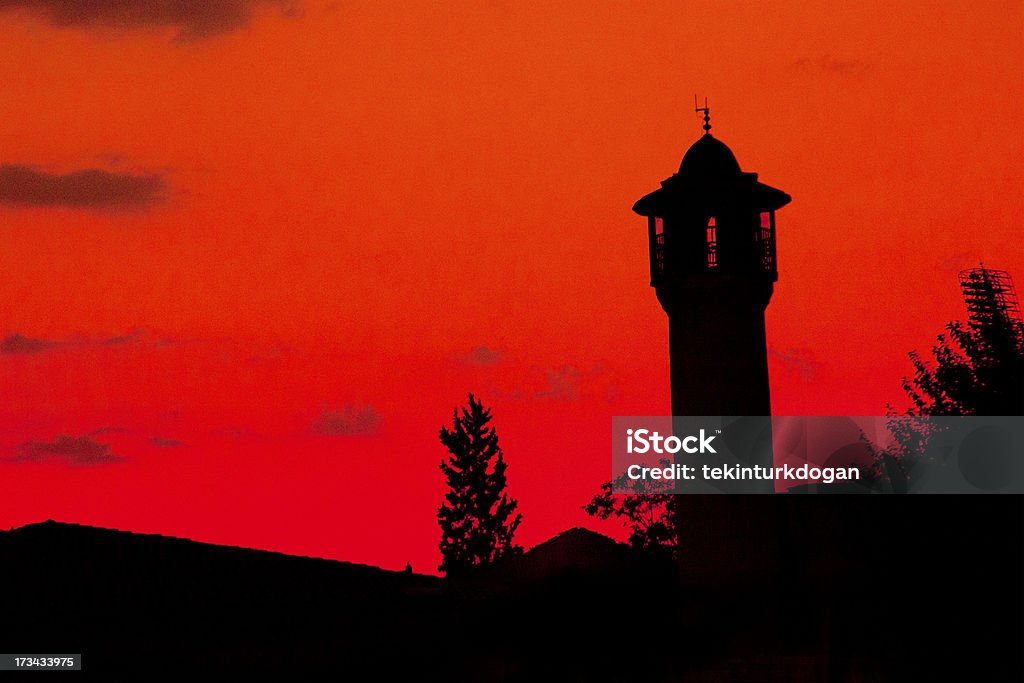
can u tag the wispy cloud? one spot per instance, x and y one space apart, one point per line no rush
15 343
801 361
481 355
351 420
108 430
18 343
91 188
562 383
78 451
162 442
190 19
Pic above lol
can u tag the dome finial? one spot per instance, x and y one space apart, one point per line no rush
707 114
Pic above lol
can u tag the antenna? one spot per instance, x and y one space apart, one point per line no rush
707 114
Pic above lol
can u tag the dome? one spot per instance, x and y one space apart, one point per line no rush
709 176
709 157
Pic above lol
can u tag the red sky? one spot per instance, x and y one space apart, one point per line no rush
353 213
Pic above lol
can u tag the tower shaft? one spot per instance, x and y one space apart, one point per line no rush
718 349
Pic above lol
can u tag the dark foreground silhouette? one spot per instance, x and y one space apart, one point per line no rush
865 588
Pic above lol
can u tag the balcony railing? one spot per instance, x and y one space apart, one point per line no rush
761 257
657 258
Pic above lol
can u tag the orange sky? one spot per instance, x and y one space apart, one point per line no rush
386 205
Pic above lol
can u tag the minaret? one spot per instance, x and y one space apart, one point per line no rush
711 231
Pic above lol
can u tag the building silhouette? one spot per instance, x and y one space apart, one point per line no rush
711 233
812 587
711 230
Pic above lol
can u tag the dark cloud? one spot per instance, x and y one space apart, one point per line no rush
192 19
351 420
108 430
89 188
563 384
494 391
121 339
482 355
797 360
20 344
79 451
833 65
161 442
239 433
17 343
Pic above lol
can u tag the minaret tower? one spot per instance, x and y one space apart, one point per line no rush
711 230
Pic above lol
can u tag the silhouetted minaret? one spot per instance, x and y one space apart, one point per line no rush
712 243
711 229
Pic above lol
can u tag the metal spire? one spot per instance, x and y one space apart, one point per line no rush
707 114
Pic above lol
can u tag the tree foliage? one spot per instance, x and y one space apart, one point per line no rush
478 519
649 516
976 368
